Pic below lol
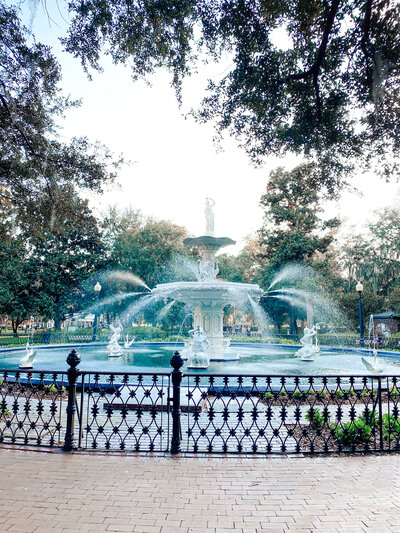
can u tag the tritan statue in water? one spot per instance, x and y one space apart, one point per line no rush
198 357
114 349
208 211
308 350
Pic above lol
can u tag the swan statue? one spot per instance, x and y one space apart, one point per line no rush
28 360
128 343
374 366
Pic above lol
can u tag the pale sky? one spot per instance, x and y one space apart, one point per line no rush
175 164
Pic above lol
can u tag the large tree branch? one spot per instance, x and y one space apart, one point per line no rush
366 26
314 71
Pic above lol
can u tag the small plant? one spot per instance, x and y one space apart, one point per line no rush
298 394
356 432
268 395
339 394
315 417
369 417
310 392
283 393
321 394
53 389
351 392
364 393
394 392
5 411
391 426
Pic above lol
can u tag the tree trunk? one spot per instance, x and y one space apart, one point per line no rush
15 323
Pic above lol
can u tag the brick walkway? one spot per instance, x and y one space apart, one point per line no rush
43 492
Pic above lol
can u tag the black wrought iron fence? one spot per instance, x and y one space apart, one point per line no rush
199 412
124 411
32 407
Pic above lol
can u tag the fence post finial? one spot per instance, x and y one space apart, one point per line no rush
176 363
73 360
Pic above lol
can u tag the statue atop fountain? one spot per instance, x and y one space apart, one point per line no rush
114 349
209 213
197 356
308 350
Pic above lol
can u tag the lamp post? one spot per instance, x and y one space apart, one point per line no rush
359 289
97 289
292 322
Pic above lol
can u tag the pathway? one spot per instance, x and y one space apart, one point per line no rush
95 492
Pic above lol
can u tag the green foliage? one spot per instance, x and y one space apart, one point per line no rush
33 159
297 394
292 230
4 412
391 426
353 433
283 394
339 394
268 395
315 417
295 94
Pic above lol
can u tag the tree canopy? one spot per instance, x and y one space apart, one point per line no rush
293 229
32 157
318 77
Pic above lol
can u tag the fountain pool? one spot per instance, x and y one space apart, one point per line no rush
261 359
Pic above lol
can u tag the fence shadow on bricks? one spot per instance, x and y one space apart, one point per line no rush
198 412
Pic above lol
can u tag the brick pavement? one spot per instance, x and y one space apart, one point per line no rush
43 492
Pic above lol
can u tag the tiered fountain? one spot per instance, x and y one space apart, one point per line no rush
209 296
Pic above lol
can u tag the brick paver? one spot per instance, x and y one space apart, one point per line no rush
43 492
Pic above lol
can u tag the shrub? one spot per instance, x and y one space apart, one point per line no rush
298 394
283 393
356 432
315 417
391 426
268 395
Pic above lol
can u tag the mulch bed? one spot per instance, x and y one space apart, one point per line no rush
330 398
38 392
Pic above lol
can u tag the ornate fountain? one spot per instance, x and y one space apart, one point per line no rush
208 296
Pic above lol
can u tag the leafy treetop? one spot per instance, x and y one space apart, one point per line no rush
330 91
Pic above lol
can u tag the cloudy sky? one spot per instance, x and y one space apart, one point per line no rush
174 163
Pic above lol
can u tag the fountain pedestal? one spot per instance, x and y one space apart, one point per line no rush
208 296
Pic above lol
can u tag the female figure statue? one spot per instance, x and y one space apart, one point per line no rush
208 211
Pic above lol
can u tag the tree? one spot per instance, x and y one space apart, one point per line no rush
296 94
375 256
293 230
19 295
242 268
147 249
32 158
64 248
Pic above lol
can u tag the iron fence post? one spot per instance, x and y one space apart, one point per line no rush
176 363
380 414
73 360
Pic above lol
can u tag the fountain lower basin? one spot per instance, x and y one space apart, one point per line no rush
208 299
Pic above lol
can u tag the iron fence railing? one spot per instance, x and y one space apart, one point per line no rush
199 412
32 407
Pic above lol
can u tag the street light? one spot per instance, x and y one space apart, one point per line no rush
97 289
359 289
292 322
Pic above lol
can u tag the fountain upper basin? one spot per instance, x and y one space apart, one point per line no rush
224 292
